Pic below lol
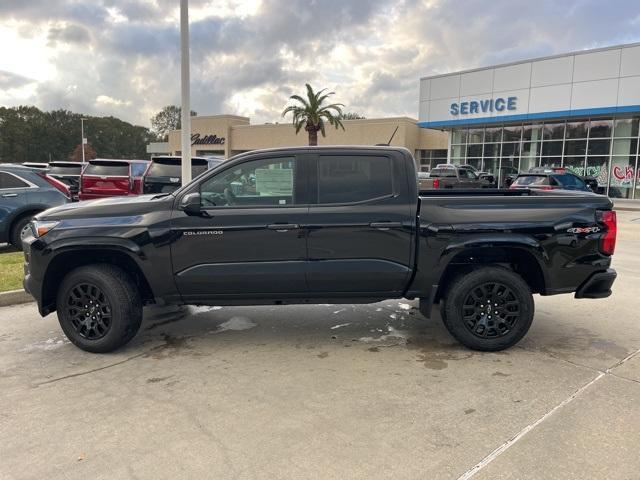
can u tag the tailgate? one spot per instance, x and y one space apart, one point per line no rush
105 185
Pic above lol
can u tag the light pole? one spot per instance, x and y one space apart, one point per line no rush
84 140
186 108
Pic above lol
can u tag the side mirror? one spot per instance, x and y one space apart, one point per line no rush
190 204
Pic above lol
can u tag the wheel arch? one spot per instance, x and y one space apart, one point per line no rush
67 260
518 258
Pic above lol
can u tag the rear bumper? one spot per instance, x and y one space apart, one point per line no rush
597 285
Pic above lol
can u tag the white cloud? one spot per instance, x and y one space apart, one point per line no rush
120 57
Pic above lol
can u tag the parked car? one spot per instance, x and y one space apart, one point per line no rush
36 165
164 174
550 180
320 225
453 176
69 173
111 177
25 192
591 182
484 175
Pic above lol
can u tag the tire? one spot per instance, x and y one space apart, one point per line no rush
110 294
16 230
471 303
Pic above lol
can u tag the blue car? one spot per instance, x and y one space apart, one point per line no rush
24 192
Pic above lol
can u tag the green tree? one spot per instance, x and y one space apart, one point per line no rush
311 113
351 116
167 119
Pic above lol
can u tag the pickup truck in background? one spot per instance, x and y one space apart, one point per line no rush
319 225
454 176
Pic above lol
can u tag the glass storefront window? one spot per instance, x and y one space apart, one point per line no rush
459 136
554 131
598 167
575 147
626 127
493 134
551 162
532 133
552 148
491 149
577 129
458 150
476 135
622 175
575 164
490 165
530 149
512 134
598 147
511 149
475 163
474 150
527 164
626 146
600 128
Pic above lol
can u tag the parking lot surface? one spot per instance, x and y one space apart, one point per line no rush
329 391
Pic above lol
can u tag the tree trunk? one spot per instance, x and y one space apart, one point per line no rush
313 137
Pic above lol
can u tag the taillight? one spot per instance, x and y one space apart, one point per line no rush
436 183
608 240
54 182
545 187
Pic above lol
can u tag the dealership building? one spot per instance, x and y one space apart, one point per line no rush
579 111
228 135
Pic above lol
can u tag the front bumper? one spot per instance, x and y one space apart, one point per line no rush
597 285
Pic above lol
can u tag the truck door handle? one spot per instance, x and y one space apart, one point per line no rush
7 195
283 227
385 225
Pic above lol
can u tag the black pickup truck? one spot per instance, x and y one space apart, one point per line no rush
319 225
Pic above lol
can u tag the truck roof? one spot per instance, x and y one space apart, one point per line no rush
307 148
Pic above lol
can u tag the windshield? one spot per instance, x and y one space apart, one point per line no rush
108 169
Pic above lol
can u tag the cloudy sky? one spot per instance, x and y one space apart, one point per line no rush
121 57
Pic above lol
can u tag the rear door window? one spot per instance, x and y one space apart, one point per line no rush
571 182
354 178
172 167
108 169
11 181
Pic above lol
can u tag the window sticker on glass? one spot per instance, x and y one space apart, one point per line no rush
274 182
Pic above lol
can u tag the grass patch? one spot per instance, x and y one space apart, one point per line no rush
11 272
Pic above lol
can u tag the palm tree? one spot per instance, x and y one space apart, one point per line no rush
312 114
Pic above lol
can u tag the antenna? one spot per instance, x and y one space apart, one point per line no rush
393 135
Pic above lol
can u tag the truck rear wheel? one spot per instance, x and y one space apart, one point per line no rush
489 309
99 307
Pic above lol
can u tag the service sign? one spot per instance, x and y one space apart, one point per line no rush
489 105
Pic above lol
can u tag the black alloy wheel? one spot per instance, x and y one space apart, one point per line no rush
89 311
491 310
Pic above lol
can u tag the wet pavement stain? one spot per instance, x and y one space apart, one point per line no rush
174 346
436 355
373 349
469 410
323 355
157 379
500 374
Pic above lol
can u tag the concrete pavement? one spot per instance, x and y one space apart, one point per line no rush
329 391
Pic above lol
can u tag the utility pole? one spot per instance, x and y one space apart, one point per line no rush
84 140
186 107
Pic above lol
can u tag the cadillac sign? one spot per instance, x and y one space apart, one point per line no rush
196 139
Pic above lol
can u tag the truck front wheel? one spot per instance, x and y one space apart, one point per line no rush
99 307
489 309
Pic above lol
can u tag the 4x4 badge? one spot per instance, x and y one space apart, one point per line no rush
583 230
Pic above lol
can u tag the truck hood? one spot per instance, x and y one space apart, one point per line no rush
109 207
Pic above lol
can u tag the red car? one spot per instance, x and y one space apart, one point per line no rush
110 177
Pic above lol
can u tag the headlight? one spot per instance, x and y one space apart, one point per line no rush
41 227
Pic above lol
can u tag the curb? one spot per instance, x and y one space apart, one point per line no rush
14 297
